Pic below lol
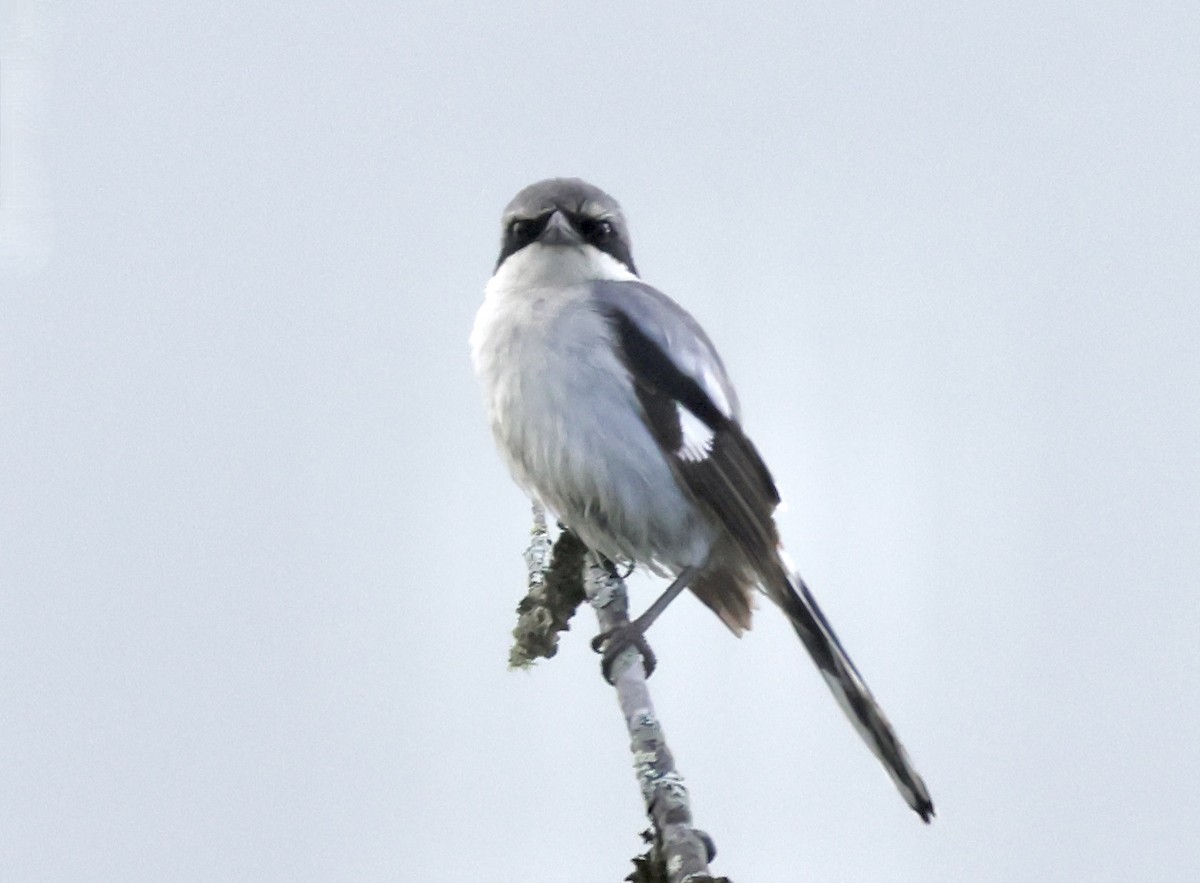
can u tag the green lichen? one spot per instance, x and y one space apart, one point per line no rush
547 609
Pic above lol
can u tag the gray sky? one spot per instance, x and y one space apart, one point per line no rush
258 559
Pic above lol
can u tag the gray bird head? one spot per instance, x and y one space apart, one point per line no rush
565 212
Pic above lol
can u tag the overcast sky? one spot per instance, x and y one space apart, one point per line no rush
258 558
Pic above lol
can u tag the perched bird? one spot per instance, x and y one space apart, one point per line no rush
612 408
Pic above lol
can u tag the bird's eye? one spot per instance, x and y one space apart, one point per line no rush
520 228
597 230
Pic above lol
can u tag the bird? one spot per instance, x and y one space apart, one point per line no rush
611 407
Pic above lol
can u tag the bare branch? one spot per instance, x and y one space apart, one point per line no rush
685 851
560 574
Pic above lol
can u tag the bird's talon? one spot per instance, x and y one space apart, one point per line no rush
614 642
709 846
598 641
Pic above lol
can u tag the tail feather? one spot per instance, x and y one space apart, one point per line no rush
850 690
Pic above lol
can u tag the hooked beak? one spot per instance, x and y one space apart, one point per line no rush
558 230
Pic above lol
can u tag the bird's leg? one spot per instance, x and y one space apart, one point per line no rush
633 634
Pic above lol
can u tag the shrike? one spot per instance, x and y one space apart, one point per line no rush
612 408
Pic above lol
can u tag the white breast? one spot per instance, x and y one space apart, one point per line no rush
567 421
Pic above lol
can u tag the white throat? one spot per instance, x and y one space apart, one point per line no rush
541 266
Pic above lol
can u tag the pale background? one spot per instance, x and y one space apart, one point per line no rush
258 559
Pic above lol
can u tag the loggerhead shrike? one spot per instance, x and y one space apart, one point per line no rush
612 408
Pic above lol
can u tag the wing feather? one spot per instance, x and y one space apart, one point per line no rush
726 473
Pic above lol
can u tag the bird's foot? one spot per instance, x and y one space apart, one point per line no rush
614 642
709 846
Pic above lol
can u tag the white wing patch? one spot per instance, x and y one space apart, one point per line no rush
716 392
697 436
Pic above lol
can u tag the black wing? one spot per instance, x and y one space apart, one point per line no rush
725 472
727 475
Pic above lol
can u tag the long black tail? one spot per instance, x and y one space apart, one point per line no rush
850 690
